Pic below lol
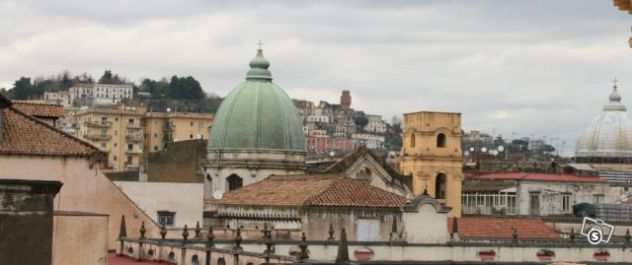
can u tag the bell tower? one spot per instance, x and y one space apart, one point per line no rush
431 153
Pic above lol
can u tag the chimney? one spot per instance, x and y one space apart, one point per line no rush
345 99
4 103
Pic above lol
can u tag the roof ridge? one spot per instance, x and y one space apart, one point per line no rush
55 130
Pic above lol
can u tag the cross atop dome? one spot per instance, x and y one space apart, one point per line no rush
260 44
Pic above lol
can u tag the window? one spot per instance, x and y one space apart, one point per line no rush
155 135
368 230
129 159
155 148
534 203
130 147
192 124
598 198
440 186
221 261
234 182
441 140
131 121
166 218
190 136
103 145
114 158
566 202
412 140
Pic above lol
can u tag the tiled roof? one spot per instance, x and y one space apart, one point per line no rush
312 190
536 177
39 109
21 134
348 160
478 227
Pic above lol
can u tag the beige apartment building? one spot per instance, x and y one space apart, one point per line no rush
164 127
117 131
126 132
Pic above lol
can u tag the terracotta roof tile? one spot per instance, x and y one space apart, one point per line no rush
478 227
536 177
22 134
312 190
39 109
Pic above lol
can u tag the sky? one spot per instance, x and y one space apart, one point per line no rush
515 68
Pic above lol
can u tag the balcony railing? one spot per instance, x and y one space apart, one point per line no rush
97 137
99 124
134 138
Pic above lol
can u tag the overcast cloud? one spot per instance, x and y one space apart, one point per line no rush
516 68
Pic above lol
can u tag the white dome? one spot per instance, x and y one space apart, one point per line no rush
609 135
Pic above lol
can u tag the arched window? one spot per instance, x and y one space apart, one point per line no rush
172 256
195 260
412 140
234 182
221 261
440 186
441 140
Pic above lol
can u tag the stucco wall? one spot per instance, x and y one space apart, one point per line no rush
80 238
426 225
316 222
85 189
185 199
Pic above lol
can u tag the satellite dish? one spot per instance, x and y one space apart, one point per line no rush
218 195
501 148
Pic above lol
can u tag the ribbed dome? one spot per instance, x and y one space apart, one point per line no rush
257 115
610 134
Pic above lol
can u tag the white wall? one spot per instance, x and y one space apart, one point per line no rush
185 199
426 225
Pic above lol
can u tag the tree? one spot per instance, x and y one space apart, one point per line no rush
360 119
185 88
109 78
23 89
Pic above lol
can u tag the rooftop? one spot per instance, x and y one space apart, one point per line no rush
478 227
312 191
535 177
21 134
39 109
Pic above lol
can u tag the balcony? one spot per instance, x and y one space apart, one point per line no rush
133 138
134 127
99 124
98 137
133 152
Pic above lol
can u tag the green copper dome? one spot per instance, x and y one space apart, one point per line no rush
257 115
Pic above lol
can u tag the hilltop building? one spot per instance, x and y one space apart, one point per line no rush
100 94
431 152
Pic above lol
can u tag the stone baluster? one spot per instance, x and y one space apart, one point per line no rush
304 254
142 232
331 232
210 238
163 235
237 248
198 230
185 237
122 235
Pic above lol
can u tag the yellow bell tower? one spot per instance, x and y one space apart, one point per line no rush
431 152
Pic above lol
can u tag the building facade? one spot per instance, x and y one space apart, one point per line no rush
88 94
534 194
117 131
431 152
162 128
